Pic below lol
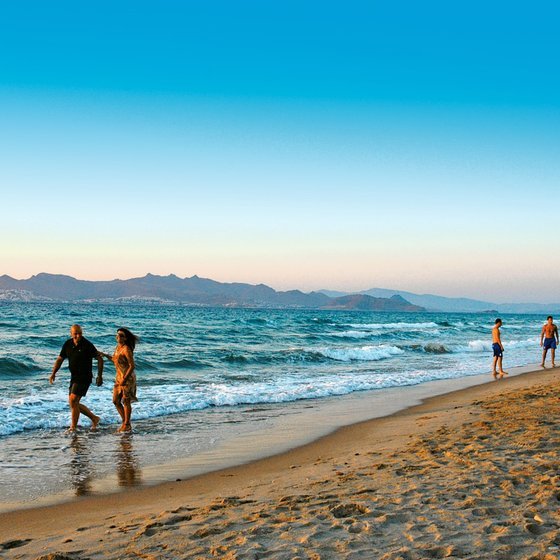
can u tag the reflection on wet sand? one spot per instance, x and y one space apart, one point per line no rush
128 470
81 472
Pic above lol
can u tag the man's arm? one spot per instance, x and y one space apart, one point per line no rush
542 334
100 363
556 333
56 367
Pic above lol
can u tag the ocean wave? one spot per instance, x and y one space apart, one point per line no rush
395 326
12 369
52 341
486 345
298 356
536 327
322 321
183 363
435 348
354 334
473 346
364 353
259 321
287 356
235 359
314 355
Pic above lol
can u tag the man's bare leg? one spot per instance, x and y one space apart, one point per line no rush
500 368
494 362
544 357
74 403
552 353
77 408
93 417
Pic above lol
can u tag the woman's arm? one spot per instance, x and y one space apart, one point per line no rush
130 359
108 356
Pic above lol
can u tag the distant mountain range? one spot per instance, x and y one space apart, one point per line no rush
187 291
460 305
205 292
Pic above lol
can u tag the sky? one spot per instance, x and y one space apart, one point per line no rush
310 145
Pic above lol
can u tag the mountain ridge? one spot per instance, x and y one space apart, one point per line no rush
196 290
437 303
188 291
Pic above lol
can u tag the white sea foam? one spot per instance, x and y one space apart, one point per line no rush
395 326
486 345
363 353
478 346
50 411
353 334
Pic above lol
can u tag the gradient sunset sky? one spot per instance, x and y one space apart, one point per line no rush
347 145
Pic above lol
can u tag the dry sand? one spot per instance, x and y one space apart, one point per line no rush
470 474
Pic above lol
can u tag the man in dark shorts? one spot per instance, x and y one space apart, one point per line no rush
80 353
498 350
549 339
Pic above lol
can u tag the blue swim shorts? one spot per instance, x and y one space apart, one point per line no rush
498 352
549 343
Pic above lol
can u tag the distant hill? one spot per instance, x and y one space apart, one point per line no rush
205 292
369 303
188 291
459 305
436 303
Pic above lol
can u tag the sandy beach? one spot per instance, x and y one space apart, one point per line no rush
469 474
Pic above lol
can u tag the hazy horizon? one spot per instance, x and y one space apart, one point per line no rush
298 145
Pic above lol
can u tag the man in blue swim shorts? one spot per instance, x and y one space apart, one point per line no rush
498 349
549 339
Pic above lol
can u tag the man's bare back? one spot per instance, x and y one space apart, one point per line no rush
496 335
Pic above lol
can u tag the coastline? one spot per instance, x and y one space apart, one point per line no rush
102 462
326 461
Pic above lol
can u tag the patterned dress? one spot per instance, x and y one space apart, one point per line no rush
121 362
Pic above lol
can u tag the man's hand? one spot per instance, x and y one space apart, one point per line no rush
99 381
52 377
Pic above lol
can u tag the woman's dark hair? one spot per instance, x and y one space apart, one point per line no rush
129 339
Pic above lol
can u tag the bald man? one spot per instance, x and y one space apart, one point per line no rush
80 353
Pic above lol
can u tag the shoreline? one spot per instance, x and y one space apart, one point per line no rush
329 458
249 433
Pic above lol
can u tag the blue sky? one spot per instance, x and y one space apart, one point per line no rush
304 145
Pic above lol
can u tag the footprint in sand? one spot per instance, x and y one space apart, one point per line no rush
348 510
164 524
8 545
56 556
358 527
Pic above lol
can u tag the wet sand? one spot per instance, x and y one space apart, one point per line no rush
468 474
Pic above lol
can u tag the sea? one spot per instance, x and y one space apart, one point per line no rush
211 380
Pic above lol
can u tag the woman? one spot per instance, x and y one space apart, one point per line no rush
124 392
